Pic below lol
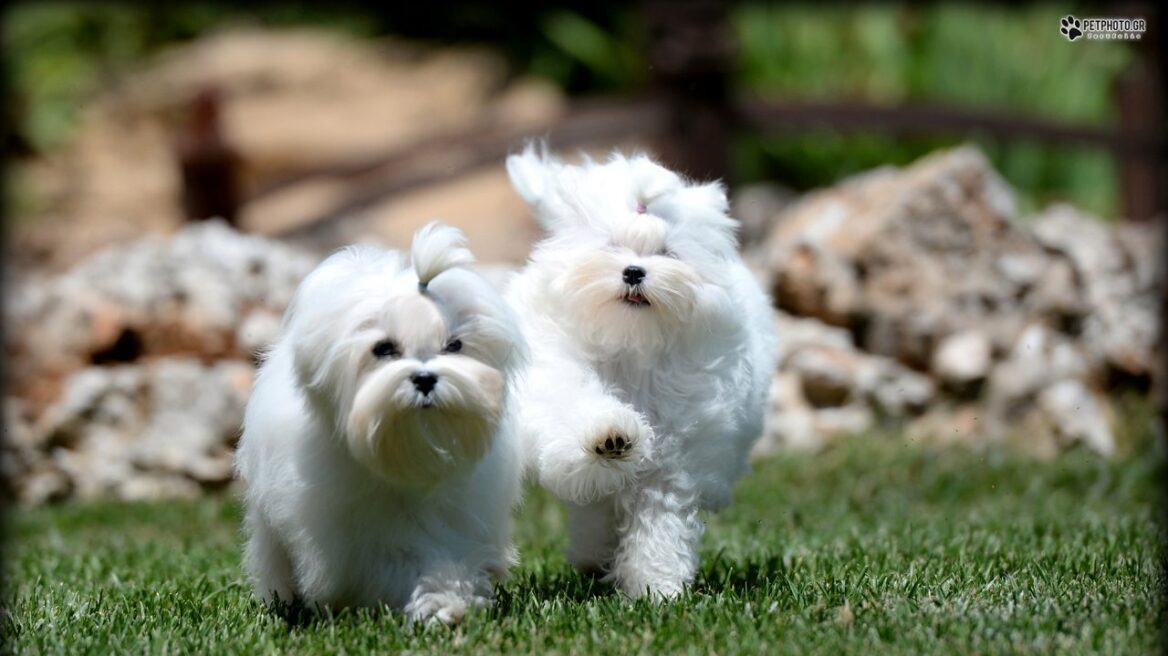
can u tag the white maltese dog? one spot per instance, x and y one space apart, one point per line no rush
379 446
652 350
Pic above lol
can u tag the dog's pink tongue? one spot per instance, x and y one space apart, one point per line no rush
637 298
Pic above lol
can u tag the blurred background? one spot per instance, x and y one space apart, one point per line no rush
956 209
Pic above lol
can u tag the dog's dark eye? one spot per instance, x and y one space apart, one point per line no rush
386 348
454 346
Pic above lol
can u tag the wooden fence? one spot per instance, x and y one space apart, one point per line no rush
691 114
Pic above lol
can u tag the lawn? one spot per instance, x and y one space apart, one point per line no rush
875 546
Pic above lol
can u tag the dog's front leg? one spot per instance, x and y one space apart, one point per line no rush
659 535
592 536
582 443
446 591
267 561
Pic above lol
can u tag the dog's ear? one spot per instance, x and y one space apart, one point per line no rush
532 174
710 195
705 207
650 180
529 175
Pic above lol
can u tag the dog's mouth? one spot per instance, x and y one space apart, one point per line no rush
635 298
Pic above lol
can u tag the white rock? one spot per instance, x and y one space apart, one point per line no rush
172 419
962 358
790 421
257 332
1078 416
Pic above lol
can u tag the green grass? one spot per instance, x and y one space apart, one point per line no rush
876 546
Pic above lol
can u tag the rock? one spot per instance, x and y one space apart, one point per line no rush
897 391
827 376
757 206
1078 416
1119 286
188 293
258 331
1042 359
961 423
850 419
27 473
790 421
905 258
165 426
1085 240
826 387
1142 246
983 313
962 359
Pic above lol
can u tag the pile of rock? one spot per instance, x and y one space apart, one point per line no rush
128 373
913 297
925 281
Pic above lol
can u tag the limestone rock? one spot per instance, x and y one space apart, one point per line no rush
962 358
187 293
1078 416
166 426
983 313
826 387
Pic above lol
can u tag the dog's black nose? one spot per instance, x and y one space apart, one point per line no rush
424 381
633 275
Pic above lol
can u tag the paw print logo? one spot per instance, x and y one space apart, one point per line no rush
1070 28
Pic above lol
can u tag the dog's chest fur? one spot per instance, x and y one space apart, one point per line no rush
672 390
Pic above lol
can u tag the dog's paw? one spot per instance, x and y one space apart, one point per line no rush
442 607
614 446
623 438
596 457
656 591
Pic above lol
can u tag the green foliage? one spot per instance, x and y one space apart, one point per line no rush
873 545
992 57
989 57
584 55
58 53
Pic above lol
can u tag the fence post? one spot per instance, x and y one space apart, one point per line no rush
208 165
1137 96
691 57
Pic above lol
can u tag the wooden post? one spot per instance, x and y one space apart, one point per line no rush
691 57
1141 172
207 163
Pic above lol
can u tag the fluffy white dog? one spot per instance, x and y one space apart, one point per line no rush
379 447
652 349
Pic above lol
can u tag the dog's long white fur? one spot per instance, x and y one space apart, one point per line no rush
361 489
683 378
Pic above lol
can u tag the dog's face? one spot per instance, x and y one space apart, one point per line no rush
413 376
634 254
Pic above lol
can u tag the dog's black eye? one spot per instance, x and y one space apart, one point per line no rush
454 346
386 348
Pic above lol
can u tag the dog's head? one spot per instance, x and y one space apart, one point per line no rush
410 361
634 250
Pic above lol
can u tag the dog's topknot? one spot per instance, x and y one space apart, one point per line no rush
436 248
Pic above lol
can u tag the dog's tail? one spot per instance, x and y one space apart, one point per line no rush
436 248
